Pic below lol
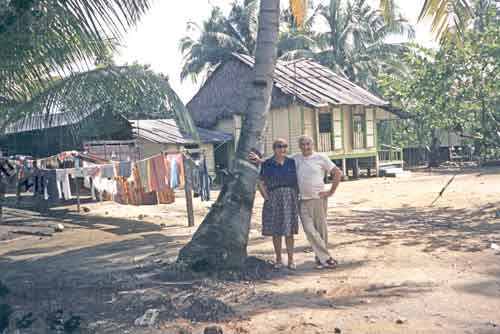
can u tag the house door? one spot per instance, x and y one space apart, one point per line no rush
358 130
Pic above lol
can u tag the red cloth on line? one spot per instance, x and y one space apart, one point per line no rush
159 173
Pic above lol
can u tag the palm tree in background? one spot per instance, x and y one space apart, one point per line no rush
449 17
219 36
355 43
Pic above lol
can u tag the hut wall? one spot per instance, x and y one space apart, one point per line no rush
347 114
310 123
295 127
268 135
280 123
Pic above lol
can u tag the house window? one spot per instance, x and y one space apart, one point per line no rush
358 130
325 122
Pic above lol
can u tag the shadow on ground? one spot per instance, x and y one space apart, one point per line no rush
469 230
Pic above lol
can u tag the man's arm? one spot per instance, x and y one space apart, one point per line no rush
336 175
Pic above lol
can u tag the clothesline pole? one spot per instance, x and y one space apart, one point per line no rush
77 181
189 196
77 185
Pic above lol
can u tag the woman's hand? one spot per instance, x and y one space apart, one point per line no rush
254 158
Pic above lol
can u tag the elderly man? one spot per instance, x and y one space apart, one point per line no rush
311 169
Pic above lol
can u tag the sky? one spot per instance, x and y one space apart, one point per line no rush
155 40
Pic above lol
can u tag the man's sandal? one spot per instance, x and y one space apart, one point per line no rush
329 264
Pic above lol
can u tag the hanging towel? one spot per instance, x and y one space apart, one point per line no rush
174 174
158 172
107 171
142 169
62 179
205 181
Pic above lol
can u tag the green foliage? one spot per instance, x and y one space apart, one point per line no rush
42 37
219 36
134 92
355 43
455 88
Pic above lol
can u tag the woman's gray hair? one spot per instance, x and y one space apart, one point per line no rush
305 139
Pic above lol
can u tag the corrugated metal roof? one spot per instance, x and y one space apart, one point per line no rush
316 84
166 131
47 120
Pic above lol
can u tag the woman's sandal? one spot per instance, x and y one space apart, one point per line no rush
278 265
292 266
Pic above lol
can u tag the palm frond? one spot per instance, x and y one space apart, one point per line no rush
131 91
447 15
42 37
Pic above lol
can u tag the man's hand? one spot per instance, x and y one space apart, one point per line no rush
325 194
254 158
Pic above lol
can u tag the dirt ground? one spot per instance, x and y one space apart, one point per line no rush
405 267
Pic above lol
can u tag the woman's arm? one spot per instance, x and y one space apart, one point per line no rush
262 189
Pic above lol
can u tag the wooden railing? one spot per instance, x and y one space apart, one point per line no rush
390 153
325 142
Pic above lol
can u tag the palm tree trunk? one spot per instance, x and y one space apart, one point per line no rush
221 240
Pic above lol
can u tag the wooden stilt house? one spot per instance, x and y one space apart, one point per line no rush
307 98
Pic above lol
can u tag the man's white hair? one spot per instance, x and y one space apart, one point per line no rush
305 139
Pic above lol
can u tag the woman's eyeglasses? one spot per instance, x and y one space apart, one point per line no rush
282 146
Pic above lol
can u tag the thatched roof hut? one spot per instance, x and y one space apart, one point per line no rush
301 81
307 98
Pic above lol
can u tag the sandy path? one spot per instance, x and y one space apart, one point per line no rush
432 268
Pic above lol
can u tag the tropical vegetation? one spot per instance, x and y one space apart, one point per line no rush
48 57
455 88
354 43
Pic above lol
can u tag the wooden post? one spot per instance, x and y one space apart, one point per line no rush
344 169
77 185
18 187
355 169
189 196
77 181
3 189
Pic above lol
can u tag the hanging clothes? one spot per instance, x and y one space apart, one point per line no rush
159 173
52 190
205 181
176 170
107 171
142 177
166 197
63 186
174 174
7 170
125 168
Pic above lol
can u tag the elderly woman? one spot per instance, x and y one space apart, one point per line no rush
278 186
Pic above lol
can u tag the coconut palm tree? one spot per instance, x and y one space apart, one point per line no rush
218 37
40 38
448 16
46 46
355 43
221 240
